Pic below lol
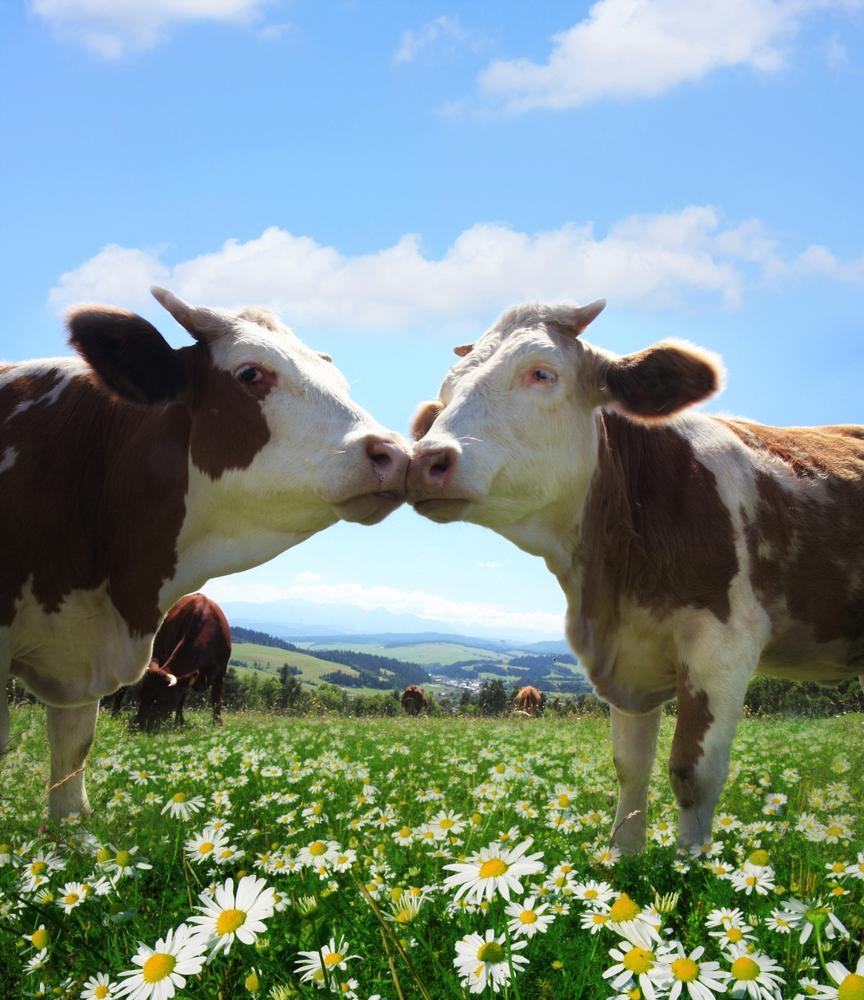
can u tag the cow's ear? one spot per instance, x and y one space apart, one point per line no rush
423 419
662 380
128 354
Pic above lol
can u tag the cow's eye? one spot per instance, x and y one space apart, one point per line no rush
249 374
540 376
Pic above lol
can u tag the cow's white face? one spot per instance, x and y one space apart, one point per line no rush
514 429
325 457
511 442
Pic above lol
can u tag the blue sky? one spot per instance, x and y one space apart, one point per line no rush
391 176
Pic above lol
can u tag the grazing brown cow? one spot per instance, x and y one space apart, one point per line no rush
190 652
132 474
693 550
414 700
528 700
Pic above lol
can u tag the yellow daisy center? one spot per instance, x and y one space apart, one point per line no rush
317 848
834 831
206 847
158 967
745 968
100 991
103 855
852 988
71 898
591 894
493 868
599 918
405 831
528 917
491 952
230 920
760 858
623 909
563 801
685 970
122 858
734 935
178 797
445 824
333 958
751 880
39 938
638 960
38 867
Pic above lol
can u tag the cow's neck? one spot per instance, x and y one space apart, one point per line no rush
227 530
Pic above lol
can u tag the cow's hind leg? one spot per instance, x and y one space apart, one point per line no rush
634 746
709 708
70 734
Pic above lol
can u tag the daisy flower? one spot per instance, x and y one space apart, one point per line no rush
228 915
704 980
482 962
751 879
98 987
849 985
493 869
594 892
122 863
856 870
636 962
625 915
180 806
318 966
753 974
815 915
71 895
163 969
528 919
204 846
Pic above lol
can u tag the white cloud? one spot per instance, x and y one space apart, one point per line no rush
429 607
818 260
627 49
111 28
645 261
446 32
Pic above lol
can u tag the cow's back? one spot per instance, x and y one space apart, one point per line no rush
195 635
804 532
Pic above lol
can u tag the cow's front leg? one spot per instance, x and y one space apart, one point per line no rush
70 734
634 746
4 702
709 707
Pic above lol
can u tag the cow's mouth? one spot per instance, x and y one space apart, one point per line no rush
442 509
369 508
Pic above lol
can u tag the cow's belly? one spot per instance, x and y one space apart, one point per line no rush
794 654
77 654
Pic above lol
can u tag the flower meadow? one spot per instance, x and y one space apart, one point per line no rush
430 858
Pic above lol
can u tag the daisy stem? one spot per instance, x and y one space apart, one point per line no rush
393 974
516 992
821 952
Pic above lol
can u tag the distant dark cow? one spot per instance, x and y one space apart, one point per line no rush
133 473
528 700
190 652
414 700
693 550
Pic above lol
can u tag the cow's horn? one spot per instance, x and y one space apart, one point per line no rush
172 680
583 315
201 322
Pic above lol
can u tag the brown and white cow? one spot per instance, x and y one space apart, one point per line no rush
132 474
414 700
692 550
190 653
528 700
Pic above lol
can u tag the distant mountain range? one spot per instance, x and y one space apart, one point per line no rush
297 618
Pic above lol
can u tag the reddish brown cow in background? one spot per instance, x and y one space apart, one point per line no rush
528 700
190 651
414 700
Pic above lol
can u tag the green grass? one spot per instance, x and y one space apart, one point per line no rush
423 653
347 771
311 668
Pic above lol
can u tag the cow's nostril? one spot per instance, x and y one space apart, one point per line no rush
380 455
439 468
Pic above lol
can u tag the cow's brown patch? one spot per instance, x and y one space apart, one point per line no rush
655 529
96 495
694 720
229 427
806 536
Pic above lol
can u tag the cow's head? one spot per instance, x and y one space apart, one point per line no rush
514 430
160 694
269 418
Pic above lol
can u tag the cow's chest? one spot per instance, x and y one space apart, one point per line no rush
78 653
